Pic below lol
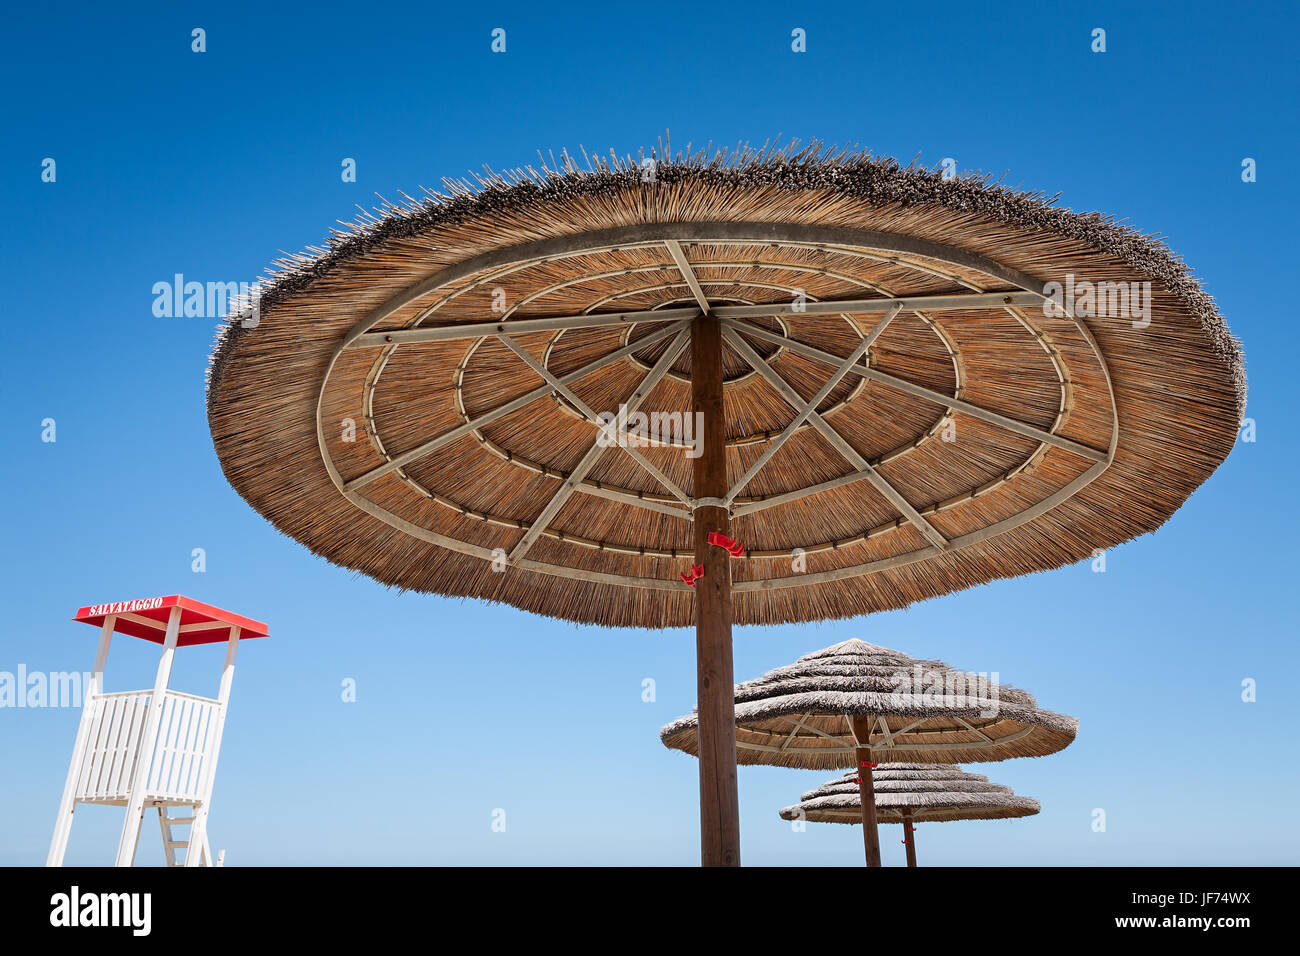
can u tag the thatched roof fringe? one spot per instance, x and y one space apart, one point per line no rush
879 180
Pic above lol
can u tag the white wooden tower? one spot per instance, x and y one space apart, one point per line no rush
156 748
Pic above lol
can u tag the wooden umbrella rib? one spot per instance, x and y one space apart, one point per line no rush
983 534
554 287
884 731
653 470
810 406
474 330
928 303
641 499
745 233
962 541
593 454
853 252
906 728
622 497
994 743
775 266
817 733
772 749
614 433
487 554
684 267
637 498
496 267
750 507
920 391
837 441
974 730
675 302
763 503
976 411
552 507
664 286
969 749
798 724
460 431
818 238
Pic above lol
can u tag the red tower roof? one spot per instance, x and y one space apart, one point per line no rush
147 618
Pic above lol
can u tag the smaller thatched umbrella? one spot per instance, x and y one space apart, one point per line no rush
909 793
854 703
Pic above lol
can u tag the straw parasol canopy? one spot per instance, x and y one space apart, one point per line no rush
909 793
913 791
373 413
854 703
602 393
919 710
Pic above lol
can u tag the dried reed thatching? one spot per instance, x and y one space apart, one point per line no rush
913 792
318 418
920 711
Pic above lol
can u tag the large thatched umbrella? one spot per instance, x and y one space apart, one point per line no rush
911 793
853 704
894 399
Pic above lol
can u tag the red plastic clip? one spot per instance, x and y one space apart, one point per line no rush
696 572
734 548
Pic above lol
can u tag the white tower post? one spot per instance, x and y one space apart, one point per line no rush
63 822
148 744
199 829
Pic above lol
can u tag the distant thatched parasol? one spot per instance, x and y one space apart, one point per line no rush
429 399
911 793
854 703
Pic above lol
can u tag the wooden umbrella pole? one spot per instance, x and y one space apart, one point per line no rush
909 837
719 803
866 789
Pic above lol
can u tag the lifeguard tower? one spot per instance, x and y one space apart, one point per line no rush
140 748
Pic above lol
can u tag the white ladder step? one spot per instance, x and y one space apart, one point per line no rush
170 843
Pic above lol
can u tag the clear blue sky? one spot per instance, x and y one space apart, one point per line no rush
210 164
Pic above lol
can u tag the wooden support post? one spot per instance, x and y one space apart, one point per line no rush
866 788
719 802
909 837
